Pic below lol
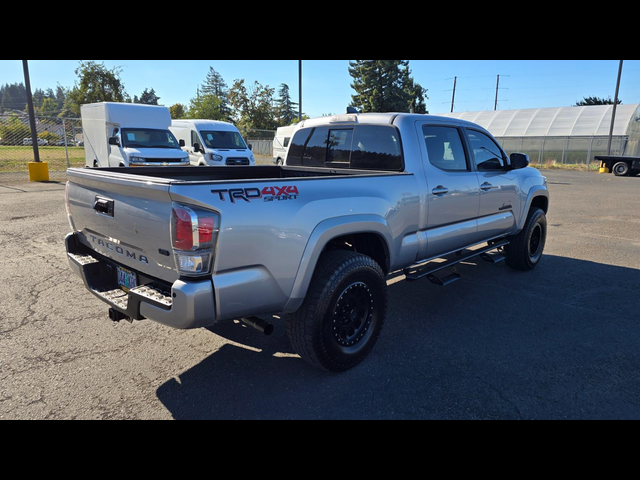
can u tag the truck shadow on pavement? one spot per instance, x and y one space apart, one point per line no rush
559 342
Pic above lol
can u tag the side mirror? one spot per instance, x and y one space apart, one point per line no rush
196 147
519 160
181 143
114 141
251 147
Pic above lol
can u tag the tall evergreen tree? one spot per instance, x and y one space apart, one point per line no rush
215 86
596 101
385 86
14 96
148 97
286 109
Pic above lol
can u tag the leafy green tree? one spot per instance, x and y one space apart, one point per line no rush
595 101
253 106
286 109
205 107
177 111
50 137
48 108
385 86
14 131
96 83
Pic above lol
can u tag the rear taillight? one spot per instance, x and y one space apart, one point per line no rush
194 232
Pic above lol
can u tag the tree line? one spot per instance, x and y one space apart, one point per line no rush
250 107
379 86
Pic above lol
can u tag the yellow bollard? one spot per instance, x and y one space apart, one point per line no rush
38 172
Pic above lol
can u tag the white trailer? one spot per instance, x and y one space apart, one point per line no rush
128 135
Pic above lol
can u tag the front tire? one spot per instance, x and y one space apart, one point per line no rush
342 316
524 252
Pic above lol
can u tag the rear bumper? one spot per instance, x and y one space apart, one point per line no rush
184 305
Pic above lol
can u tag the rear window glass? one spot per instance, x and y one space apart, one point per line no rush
376 148
363 147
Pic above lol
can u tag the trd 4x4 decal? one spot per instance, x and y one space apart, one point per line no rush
269 194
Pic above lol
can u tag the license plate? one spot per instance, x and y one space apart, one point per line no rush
127 279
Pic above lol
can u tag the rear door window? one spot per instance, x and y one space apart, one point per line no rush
376 147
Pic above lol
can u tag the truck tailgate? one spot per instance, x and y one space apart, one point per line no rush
125 218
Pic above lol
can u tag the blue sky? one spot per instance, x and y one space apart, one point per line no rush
326 83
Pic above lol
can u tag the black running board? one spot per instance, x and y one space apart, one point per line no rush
429 269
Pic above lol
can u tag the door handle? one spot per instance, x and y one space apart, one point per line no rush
486 186
440 190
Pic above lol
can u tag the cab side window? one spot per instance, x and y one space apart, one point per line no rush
296 149
309 148
445 148
315 152
195 138
488 155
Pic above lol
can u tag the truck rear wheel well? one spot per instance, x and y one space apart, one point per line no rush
369 244
541 203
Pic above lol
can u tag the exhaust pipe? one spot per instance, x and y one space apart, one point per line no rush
259 324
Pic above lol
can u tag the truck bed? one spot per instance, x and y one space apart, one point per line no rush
228 173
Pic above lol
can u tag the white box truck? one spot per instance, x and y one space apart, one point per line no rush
129 135
212 142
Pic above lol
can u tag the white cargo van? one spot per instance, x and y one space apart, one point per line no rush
213 143
281 143
129 135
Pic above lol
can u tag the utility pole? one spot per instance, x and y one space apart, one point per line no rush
453 99
495 107
32 116
615 106
300 90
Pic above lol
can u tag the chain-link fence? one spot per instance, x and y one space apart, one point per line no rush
60 144
261 141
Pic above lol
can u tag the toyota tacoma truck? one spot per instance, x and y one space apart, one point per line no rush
361 196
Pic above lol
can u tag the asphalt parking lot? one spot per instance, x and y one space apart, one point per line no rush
560 342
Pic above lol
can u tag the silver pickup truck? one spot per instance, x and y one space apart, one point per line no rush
361 196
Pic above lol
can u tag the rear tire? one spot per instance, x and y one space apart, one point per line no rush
525 250
621 169
342 316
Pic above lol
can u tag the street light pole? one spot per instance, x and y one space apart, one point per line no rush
32 117
300 90
615 106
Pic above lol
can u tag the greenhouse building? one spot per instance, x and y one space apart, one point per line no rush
567 135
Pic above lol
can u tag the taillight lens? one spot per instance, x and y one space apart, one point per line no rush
194 232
